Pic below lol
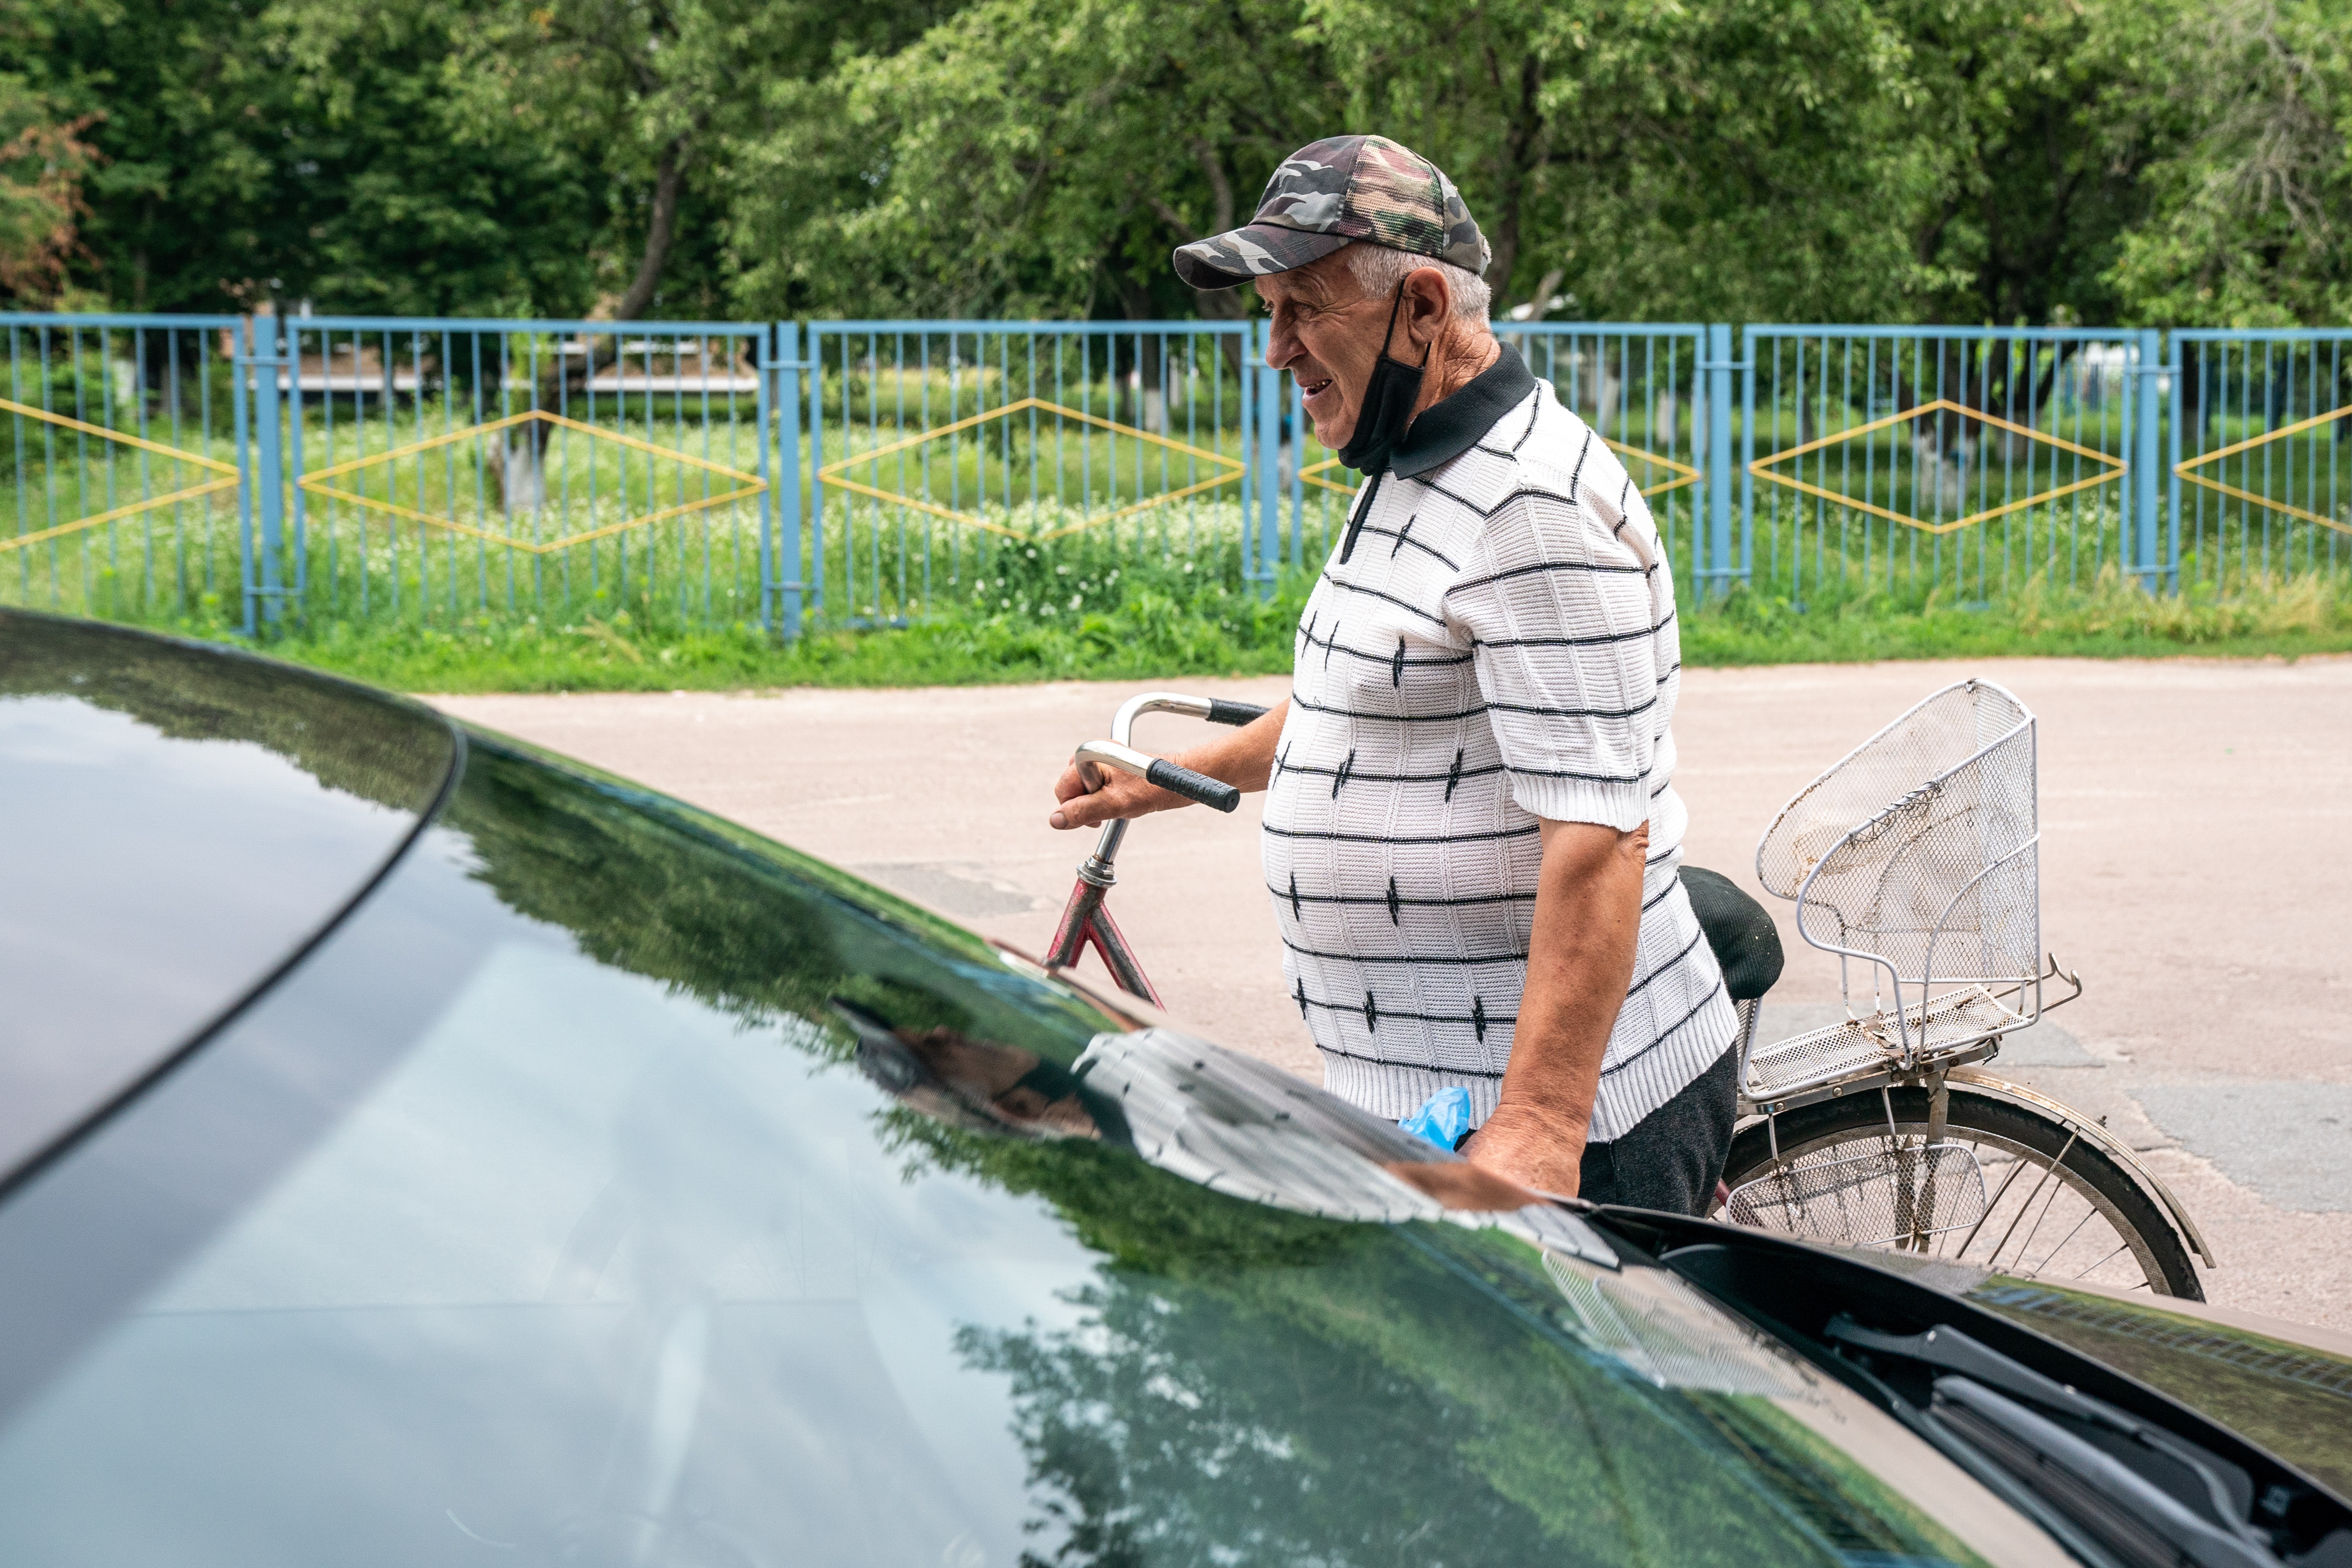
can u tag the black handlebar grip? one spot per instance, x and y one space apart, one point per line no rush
1192 785
1223 712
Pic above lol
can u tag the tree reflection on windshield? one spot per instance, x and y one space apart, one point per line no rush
1248 1386
1244 1384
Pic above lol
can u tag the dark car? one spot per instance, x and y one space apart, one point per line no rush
421 1150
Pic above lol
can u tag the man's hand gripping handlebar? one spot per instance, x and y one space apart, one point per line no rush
1168 775
1085 777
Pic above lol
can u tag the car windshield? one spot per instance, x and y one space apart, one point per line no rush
562 1207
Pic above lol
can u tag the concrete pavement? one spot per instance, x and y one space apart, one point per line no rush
2197 837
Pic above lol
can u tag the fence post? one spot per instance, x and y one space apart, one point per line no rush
812 592
780 552
265 584
2172 463
1265 471
240 401
2149 412
1717 568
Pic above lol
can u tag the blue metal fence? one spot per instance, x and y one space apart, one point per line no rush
933 445
603 474
1921 458
2256 443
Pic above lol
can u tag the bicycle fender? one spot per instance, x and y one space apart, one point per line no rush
2091 1132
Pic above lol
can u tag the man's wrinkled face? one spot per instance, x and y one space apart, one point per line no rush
1327 334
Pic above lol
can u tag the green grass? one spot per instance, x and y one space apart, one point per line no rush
1156 621
2110 619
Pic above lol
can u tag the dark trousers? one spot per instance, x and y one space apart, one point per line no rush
1674 1156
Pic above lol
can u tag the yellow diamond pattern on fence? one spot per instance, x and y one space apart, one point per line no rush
1313 474
190 492
1762 467
315 483
2187 469
1683 473
835 472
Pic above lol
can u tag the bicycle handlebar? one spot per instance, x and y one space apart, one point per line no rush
1215 709
1213 794
1168 775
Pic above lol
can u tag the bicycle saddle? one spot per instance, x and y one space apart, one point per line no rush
1745 942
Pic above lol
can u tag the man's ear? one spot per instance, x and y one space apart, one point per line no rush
1429 300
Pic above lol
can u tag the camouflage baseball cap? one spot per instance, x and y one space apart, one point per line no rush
1330 191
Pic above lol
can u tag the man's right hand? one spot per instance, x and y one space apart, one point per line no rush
1115 795
1244 759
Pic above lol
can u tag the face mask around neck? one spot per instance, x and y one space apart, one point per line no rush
1388 399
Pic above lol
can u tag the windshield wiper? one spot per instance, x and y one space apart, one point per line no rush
2147 1496
2140 1522
2120 1473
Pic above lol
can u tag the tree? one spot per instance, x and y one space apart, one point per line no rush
2027 198
413 201
2238 117
43 161
239 155
1730 158
1667 159
1029 157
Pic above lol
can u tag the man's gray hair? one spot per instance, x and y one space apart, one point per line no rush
1380 269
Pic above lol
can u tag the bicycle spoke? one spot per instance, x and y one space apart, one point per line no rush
2089 1213
2025 1247
2015 1167
1906 1203
2102 1263
2047 1171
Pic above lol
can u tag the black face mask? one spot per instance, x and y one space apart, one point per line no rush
1388 399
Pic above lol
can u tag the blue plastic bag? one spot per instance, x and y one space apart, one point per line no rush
1442 1117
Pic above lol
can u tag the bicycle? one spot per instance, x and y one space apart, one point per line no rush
1085 922
1883 1131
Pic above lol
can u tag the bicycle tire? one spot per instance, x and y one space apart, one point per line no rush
1861 1121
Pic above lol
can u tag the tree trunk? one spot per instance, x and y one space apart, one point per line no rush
1525 150
1214 304
520 463
669 182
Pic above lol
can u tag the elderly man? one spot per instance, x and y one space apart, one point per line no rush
1470 836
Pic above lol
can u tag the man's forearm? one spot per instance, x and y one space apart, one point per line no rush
1581 953
1243 758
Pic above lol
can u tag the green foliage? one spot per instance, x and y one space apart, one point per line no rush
1946 160
1952 161
1020 157
2109 619
44 161
1148 621
2243 112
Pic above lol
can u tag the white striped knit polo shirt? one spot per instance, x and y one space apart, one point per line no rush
1497 646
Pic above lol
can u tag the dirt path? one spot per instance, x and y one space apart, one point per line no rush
2197 822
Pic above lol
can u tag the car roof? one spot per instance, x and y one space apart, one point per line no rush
183 821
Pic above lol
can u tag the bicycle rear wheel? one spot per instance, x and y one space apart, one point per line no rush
2011 1189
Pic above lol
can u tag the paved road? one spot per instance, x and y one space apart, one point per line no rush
2197 819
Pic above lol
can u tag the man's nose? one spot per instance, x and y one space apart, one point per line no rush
1282 344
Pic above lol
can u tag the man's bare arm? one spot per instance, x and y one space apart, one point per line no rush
1244 758
1587 926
